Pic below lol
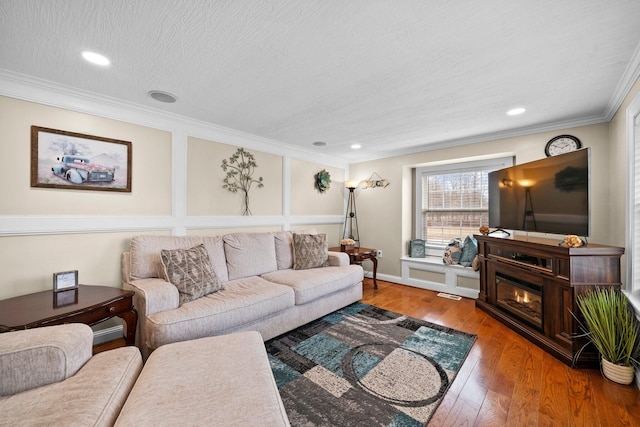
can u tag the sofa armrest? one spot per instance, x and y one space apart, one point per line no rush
338 259
36 357
151 296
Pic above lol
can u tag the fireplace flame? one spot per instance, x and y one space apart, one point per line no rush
523 299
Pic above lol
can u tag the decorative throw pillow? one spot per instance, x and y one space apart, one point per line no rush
190 271
452 252
469 251
310 251
475 264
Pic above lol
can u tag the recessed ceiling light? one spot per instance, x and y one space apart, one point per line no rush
162 96
319 143
356 146
96 58
516 111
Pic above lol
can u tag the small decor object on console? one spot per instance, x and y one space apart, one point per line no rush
347 244
323 181
484 230
65 280
239 169
572 241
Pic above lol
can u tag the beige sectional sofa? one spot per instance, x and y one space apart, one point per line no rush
48 377
261 289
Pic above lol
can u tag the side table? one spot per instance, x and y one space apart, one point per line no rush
87 304
357 255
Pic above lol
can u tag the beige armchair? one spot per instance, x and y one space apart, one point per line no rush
48 376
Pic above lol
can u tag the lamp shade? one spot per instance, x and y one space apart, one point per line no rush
351 183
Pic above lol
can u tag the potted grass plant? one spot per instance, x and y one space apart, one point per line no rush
611 325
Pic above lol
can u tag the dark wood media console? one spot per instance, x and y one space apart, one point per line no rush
531 285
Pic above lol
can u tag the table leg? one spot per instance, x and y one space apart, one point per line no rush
131 319
375 271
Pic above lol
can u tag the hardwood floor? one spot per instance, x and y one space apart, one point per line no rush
506 380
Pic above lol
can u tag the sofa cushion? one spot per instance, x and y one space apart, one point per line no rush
242 301
145 254
309 285
249 254
190 271
284 249
284 246
93 396
224 381
310 251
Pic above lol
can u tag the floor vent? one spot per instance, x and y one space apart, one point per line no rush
449 296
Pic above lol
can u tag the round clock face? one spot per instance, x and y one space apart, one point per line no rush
562 144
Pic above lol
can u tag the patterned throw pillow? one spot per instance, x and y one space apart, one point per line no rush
452 252
469 251
190 271
310 251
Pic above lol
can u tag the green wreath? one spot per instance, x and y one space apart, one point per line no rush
323 181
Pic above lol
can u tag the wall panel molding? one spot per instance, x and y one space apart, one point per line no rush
71 224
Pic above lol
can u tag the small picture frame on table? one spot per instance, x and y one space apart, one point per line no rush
65 281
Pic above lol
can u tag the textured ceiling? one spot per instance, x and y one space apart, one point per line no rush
390 75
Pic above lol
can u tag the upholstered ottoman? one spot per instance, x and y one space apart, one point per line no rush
217 381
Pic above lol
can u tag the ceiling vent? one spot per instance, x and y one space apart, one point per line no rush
161 96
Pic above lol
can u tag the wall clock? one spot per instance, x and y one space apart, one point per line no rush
562 144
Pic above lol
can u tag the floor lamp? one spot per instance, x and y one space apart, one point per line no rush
351 217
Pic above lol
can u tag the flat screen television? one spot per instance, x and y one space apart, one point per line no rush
547 196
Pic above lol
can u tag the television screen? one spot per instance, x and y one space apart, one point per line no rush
547 196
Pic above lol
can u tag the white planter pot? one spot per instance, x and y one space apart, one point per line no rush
617 373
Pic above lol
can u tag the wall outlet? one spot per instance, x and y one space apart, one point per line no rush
379 254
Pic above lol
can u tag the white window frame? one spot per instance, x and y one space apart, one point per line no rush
632 243
489 164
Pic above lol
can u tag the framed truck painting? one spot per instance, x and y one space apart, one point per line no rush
61 159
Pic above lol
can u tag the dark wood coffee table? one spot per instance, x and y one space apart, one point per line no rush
87 304
357 255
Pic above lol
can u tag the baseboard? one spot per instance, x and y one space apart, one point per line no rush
107 334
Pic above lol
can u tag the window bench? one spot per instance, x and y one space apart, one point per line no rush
431 273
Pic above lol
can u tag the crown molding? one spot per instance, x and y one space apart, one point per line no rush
27 88
493 136
629 78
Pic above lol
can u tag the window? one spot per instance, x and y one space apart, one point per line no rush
633 203
453 200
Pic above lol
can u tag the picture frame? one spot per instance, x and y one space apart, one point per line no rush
66 297
70 160
65 280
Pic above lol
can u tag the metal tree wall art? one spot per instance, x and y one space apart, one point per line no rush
239 169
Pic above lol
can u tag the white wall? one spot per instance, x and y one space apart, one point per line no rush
176 189
385 214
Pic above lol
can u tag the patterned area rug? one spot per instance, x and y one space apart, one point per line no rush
365 366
